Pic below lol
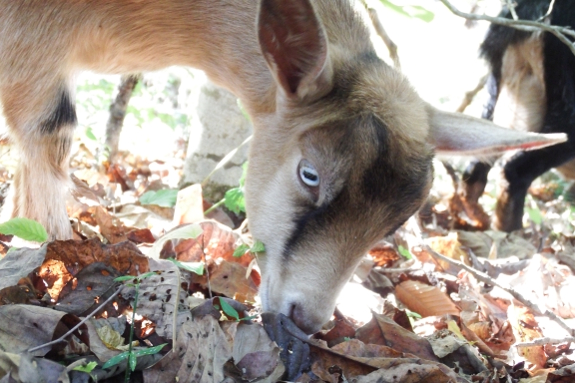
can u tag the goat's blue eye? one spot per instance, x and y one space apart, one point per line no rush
308 174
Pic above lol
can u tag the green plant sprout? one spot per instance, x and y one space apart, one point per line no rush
131 355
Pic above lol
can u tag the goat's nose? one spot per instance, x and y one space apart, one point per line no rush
304 320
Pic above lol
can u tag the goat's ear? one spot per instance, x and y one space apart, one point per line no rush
295 47
456 133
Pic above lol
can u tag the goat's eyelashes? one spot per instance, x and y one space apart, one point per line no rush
308 175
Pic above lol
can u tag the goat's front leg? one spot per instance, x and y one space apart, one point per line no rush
42 129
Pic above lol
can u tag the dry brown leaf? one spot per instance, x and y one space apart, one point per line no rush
97 346
477 241
25 326
409 371
189 205
203 350
562 375
255 355
330 365
526 329
424 299
451 248
64 259
467 213
217 241
229 279
85 292
19 263
358 349
384 255
26 368
141 236
384 331
342 329
161 298
111 227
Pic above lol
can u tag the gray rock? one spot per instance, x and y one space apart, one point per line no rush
220 128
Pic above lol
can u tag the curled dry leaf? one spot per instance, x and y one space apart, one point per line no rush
104 347
384 254
384 331
545 280
255 355
526 329
24 326
230 279
424 299
31 369
92 285
563 375
19 263
203 350
451 248
161 298
453 351
64 259
111 227
410 371
217 241
189 205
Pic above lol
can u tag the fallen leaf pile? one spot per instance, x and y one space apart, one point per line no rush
158 291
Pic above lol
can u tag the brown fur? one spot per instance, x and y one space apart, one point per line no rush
316 92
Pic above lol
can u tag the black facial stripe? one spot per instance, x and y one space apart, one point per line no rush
64 114
301 222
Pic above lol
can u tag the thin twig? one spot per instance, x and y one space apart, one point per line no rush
391 46
523 25
73 329
511 5
487 279
544 341
469 96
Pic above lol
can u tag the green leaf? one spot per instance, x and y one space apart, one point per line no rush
147 275
405 253
124 278
163 198
24 228
150 350
194 267
116 359
258 247
90 134
234 200
535 215
88 368
132 362
229 310
413 314
241 250
411 11
132 356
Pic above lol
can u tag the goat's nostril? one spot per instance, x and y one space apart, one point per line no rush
298 316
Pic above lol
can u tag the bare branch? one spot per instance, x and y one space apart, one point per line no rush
523 25
63 337
391 46
470 95
544 341
511 5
